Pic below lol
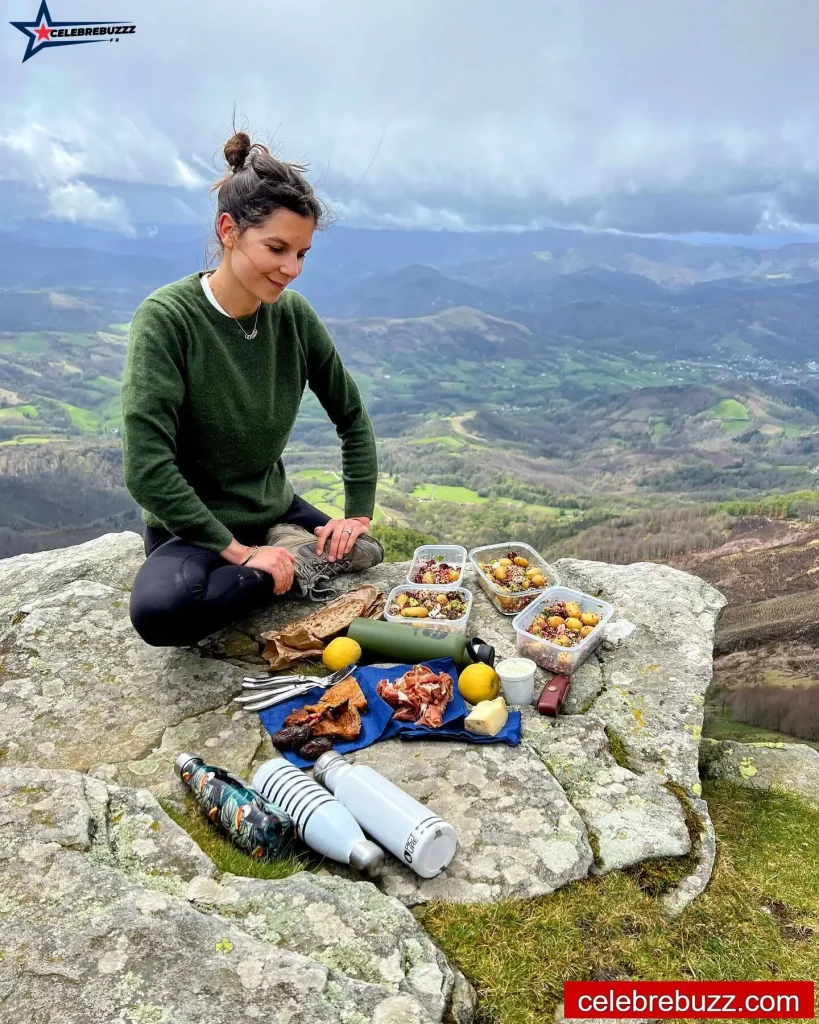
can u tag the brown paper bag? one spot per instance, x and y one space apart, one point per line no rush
306 638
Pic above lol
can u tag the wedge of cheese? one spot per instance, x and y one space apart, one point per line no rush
487 718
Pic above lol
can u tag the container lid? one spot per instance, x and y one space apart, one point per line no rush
366 857
516 668
182 760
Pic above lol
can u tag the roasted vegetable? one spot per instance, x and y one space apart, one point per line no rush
418 612
291 738
315 748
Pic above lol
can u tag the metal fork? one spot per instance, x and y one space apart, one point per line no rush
259 700
274 682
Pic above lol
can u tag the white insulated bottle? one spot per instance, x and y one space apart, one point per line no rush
422 840
320 821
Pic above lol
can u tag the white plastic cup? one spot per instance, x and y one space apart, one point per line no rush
517 677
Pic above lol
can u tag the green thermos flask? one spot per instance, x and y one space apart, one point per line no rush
409 645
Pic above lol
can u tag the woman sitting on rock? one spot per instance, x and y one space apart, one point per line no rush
217 366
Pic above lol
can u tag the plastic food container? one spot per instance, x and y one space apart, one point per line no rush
517 676
553 657
448 625
510 604
453 554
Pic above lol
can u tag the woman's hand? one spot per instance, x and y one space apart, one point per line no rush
277 562
339 535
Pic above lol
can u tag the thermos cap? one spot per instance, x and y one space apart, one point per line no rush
181 761
366 857
480 651
325 762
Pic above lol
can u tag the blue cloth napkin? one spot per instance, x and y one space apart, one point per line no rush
378 724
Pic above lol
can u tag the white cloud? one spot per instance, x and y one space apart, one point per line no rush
630 114
78 202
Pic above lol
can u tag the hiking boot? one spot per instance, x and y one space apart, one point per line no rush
312 573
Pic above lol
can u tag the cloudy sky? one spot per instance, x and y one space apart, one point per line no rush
651 116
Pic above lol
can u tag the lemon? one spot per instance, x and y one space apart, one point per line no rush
477 683
340 653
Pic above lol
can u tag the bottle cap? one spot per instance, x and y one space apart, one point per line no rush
366 857
480 651
324 764
182 760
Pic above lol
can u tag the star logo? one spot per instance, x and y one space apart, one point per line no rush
44 32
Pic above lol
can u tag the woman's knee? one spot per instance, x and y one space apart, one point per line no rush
160 620
162 605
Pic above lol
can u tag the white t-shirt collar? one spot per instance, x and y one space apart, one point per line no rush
206 288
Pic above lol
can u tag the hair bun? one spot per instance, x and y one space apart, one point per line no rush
236 150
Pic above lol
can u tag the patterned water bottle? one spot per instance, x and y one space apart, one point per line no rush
255 825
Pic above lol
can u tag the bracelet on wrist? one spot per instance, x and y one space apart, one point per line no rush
252 554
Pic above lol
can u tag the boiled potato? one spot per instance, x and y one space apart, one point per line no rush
573 609
443 599
589 619
415 613
538 581
504 561
586 631
500 574
534 570
401 600
522 562
574 624
562 641
454 575
428 578
555 620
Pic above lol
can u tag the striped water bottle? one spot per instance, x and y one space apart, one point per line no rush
320 821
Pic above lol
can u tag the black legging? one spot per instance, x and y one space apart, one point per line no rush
183 593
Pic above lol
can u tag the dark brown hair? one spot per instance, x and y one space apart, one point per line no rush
258 184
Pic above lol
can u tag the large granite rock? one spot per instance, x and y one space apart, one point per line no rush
599 789
111 912
790 767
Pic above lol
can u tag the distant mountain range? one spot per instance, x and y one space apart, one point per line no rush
642 294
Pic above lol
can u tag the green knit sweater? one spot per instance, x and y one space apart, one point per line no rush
207 414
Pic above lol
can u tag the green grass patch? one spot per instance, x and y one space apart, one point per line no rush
518 953
28 439
106 383
82 419
658 428
727 409
18 414
227 857
31 343
441 492
719 725
445 442
325 476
